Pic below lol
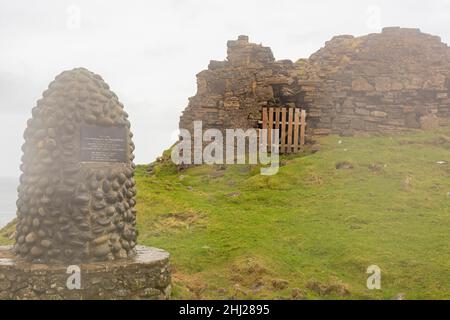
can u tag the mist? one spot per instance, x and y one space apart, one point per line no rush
150 51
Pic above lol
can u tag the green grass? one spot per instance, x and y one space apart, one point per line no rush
311 231
7 232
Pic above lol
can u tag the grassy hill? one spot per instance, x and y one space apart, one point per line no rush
312 230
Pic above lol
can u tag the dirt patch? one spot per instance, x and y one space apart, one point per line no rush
377 167
406 142
298 294
408 183
184 220
441 141
344 165
234 194
325 289
314 180
280 284
252 277
217 174
248 272
245 168
192 285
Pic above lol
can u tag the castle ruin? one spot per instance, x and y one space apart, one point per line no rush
391 81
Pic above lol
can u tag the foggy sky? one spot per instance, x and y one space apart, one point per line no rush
150 51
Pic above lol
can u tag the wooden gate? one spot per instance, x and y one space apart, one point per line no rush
291 123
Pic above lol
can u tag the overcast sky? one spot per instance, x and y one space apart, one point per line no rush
150 51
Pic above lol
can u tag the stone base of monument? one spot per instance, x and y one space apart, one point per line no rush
146 276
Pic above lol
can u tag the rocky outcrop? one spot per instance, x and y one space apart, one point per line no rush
392 81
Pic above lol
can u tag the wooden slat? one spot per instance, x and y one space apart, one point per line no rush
303 127
264 119
291 115
277 121
296 129
283 130
269 129
291 123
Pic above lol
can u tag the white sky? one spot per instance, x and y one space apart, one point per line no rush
150 51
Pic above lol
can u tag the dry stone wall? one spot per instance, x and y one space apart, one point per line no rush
231 93
391 81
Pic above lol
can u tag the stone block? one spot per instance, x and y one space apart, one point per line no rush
361 84
383 84
357 124
429 122
379 114
360 111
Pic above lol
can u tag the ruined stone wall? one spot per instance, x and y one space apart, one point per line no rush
231 93
392 81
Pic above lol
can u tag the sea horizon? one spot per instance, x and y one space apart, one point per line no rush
8 195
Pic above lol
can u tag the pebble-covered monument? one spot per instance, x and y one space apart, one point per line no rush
76 202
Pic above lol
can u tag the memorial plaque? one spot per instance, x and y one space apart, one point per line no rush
103 144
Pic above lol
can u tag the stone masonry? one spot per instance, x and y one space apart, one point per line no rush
76 202
71 210
146 276
385 82
231 93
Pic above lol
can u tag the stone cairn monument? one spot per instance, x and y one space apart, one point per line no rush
76 201
76 197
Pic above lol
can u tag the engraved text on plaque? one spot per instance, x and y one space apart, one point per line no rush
104 144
